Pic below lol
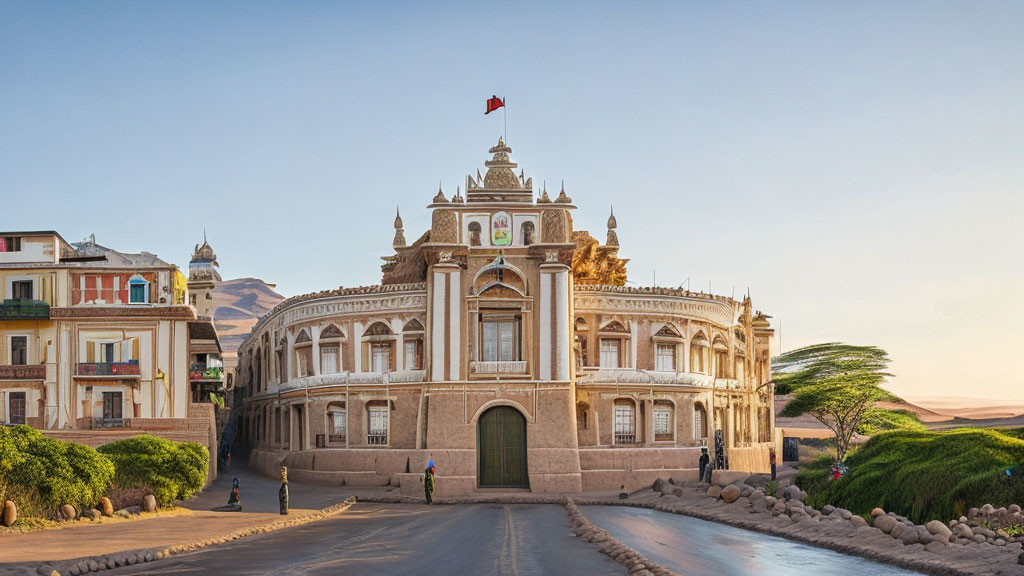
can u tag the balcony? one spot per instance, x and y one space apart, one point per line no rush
206 374
517 367
21 309
108 369
25 372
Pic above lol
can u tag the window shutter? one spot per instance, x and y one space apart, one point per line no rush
90 352
135 349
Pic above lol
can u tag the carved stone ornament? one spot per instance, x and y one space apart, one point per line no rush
445 257
551 256
553 227
444 227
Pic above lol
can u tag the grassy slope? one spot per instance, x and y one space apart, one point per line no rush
924 475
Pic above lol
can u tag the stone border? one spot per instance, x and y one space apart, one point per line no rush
817 538
78 566
636 563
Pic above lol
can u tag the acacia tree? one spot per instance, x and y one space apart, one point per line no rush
836 383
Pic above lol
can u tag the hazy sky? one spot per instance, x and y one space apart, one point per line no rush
859 167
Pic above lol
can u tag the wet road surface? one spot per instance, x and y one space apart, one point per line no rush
697 547
396 539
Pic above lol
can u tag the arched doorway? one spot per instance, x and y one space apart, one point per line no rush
501 449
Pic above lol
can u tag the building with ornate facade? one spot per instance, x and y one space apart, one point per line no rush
504 345
96 343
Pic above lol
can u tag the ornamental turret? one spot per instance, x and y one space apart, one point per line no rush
399 240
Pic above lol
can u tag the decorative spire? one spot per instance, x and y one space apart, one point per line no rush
613 238
458 195
544 198
440 199
562 197
399 240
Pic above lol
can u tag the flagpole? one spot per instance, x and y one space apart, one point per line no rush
504 115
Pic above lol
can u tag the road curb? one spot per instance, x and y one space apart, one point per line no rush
85 565
636 563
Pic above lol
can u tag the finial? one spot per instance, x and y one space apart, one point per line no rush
440 195
399 240
562 196
613 238
204 235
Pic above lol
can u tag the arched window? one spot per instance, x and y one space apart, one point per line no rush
378 348
721 357
625 422
138 290
700 423
337 423
474 233
699 354
330 349
412 345
527 233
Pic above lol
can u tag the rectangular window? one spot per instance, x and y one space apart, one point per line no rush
112 403
610 356
721 364
107 352
625 424
662 423
381 356
10 244
665 358
500 341
329 360
21 290
378 425
137 293
19 350
412 354
17 407
338 426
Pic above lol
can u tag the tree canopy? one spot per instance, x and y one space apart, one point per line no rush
836 383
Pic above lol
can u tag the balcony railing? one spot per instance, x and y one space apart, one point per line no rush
506 367
21 309
23 372
377 438
108 369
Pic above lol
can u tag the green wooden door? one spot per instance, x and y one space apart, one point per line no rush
501 449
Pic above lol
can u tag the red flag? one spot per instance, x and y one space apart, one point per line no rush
493 103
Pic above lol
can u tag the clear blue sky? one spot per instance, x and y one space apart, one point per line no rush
858 166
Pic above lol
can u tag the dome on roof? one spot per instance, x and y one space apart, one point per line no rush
204 253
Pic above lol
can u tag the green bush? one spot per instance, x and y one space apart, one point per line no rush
40 474
170 470
922 475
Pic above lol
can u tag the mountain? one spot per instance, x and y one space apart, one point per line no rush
237 305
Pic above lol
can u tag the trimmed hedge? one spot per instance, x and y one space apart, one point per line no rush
41 474
170 470
923 475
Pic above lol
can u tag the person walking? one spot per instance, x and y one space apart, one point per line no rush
771 460
428 482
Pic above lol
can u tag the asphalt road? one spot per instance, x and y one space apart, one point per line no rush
697 547
395 539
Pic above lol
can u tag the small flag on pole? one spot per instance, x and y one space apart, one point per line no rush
493 103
